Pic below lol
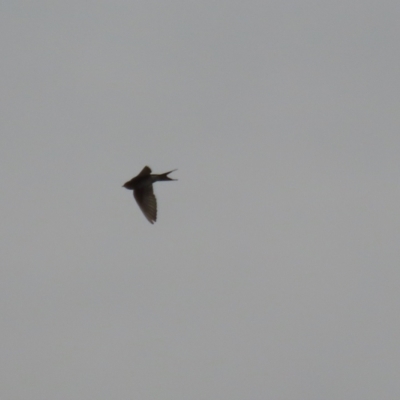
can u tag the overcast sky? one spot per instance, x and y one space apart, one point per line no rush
273 269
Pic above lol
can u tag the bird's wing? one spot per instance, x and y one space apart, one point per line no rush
145 171
147 202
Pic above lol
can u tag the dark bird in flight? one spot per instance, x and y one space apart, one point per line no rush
142 186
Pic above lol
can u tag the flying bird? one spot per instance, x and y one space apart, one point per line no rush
142 186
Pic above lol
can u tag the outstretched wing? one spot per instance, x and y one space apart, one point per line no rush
147 202
145 171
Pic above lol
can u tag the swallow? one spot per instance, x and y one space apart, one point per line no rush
142 186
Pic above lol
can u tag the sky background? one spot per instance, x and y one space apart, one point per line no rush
273 269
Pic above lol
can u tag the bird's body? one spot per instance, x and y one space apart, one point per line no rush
142 186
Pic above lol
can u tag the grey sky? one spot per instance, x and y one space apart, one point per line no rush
273 269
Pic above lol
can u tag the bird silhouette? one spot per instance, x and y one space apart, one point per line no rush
142 186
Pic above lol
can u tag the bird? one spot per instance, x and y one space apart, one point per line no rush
142 186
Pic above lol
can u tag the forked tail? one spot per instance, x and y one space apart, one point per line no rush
164 177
